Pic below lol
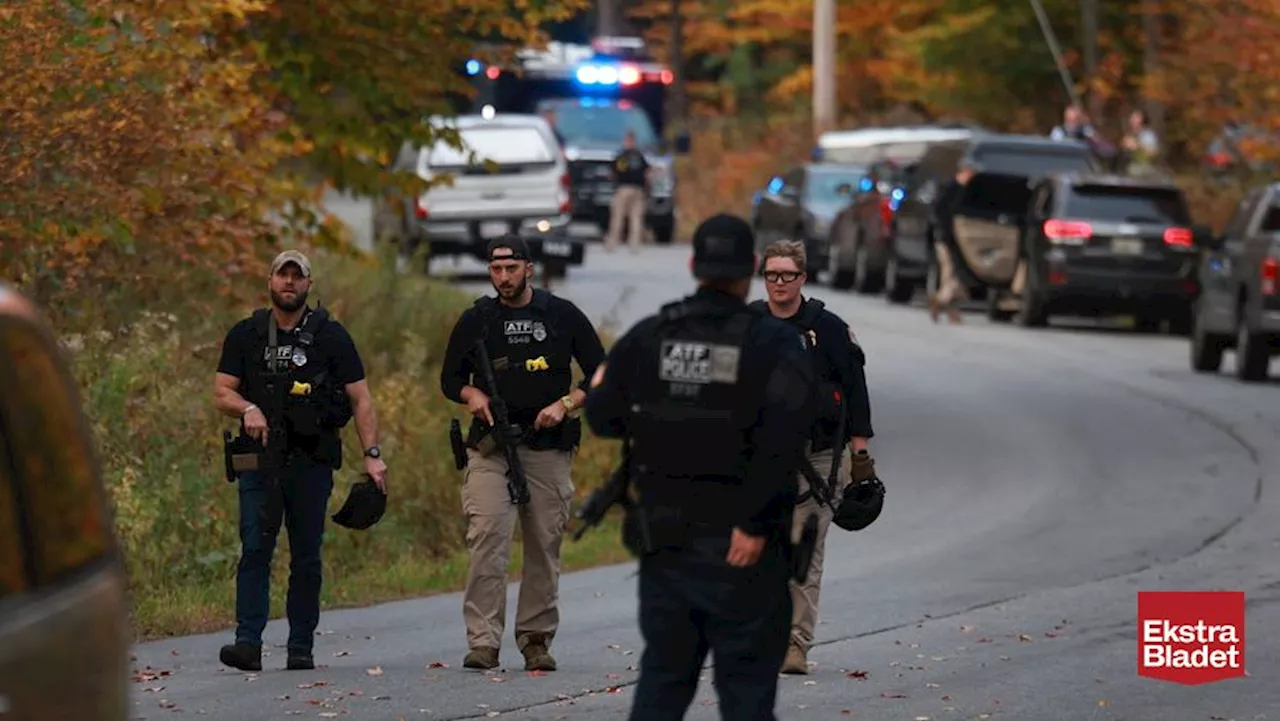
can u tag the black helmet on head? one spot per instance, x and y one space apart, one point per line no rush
860 505
364 506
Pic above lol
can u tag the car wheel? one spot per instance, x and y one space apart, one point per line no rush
1252 354
1206 348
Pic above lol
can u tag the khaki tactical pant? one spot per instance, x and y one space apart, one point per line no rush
804 597
491 520
950 289
627 205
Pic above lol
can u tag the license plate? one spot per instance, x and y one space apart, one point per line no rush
493 229
557 248
1126 246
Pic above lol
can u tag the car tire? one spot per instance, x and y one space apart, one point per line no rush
1206 348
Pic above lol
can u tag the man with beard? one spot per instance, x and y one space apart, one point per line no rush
842 389
529 336
296 347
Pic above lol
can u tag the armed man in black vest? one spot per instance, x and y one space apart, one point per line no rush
509 361
294 378
713 401
844 419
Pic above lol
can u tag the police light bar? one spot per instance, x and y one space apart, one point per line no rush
612 74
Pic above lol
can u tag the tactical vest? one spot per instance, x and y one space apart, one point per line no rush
293 380
827 395
690 417
532 364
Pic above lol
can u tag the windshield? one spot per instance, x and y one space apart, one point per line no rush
603 125
1128 205
1033 161
504 145
824 187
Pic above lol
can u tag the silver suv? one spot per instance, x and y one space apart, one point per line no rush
511 177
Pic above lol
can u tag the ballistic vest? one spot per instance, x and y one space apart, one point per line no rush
691 412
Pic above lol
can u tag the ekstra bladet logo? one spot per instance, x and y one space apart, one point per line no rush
1191 637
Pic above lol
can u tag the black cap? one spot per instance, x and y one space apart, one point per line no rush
365 506
519 249
724 247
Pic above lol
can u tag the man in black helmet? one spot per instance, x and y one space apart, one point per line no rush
712 398
290 369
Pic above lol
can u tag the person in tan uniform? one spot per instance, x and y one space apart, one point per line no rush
630 194
950 290
530 337
838 363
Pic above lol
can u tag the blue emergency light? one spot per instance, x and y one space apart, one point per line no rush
473 67
608 75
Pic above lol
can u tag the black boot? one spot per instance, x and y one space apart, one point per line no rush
300 660
243 656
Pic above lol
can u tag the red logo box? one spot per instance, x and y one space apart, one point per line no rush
1191 637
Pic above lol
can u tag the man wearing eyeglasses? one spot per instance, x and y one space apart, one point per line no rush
842 390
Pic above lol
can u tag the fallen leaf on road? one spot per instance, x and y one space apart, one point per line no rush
437 664
846 712
810 683
340 654
1024 638
922 718
167 704
328 714
1004 658
858 674
313 684
375 671
886 694
932 685
946 697
491 714
1103 702
611 676
966 629
283 698
383 698
148 674
153 689
1050 634
984 639
497 679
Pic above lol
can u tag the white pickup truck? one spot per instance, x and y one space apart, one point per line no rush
523 190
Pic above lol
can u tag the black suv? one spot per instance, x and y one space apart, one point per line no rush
994 201
1097 245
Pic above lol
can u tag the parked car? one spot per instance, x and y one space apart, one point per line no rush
858 248
1239 303
64 632
511 177
1091 245
800 204
1010 163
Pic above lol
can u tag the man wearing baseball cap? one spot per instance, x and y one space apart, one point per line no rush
713 399
294 379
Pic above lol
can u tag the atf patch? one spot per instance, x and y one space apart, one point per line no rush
701 363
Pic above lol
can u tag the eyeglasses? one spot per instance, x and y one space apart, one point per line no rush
781 276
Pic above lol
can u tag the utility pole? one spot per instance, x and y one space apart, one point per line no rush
679 110
824 66
608 17
1089 28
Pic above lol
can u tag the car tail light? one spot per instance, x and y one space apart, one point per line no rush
1067 230
419 209
1180 237
1270 268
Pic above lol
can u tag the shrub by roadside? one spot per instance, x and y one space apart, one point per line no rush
147 393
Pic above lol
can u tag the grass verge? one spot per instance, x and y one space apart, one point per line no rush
147 392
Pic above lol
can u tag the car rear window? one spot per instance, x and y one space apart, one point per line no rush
1127 205
992 193
1271 221
504 145
1032 161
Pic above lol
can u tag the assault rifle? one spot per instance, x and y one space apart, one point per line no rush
506 434
616 492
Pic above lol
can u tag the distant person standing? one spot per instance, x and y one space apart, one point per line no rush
630 185
1141 146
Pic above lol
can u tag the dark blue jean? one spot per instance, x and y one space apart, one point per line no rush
304 503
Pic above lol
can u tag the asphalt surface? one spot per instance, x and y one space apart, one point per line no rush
1037 480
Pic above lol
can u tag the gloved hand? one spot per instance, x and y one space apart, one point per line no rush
862 468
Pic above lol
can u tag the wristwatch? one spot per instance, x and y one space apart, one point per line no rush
373 452
568 402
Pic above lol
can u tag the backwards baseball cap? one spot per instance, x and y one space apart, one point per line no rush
724 247
291 256
514 243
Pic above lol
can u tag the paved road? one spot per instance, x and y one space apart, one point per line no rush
1037 480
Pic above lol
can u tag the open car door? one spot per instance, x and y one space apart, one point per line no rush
987 225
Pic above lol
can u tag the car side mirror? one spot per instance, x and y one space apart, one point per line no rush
682 143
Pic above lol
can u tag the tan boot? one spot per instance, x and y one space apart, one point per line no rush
481 657
536 655
796 661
